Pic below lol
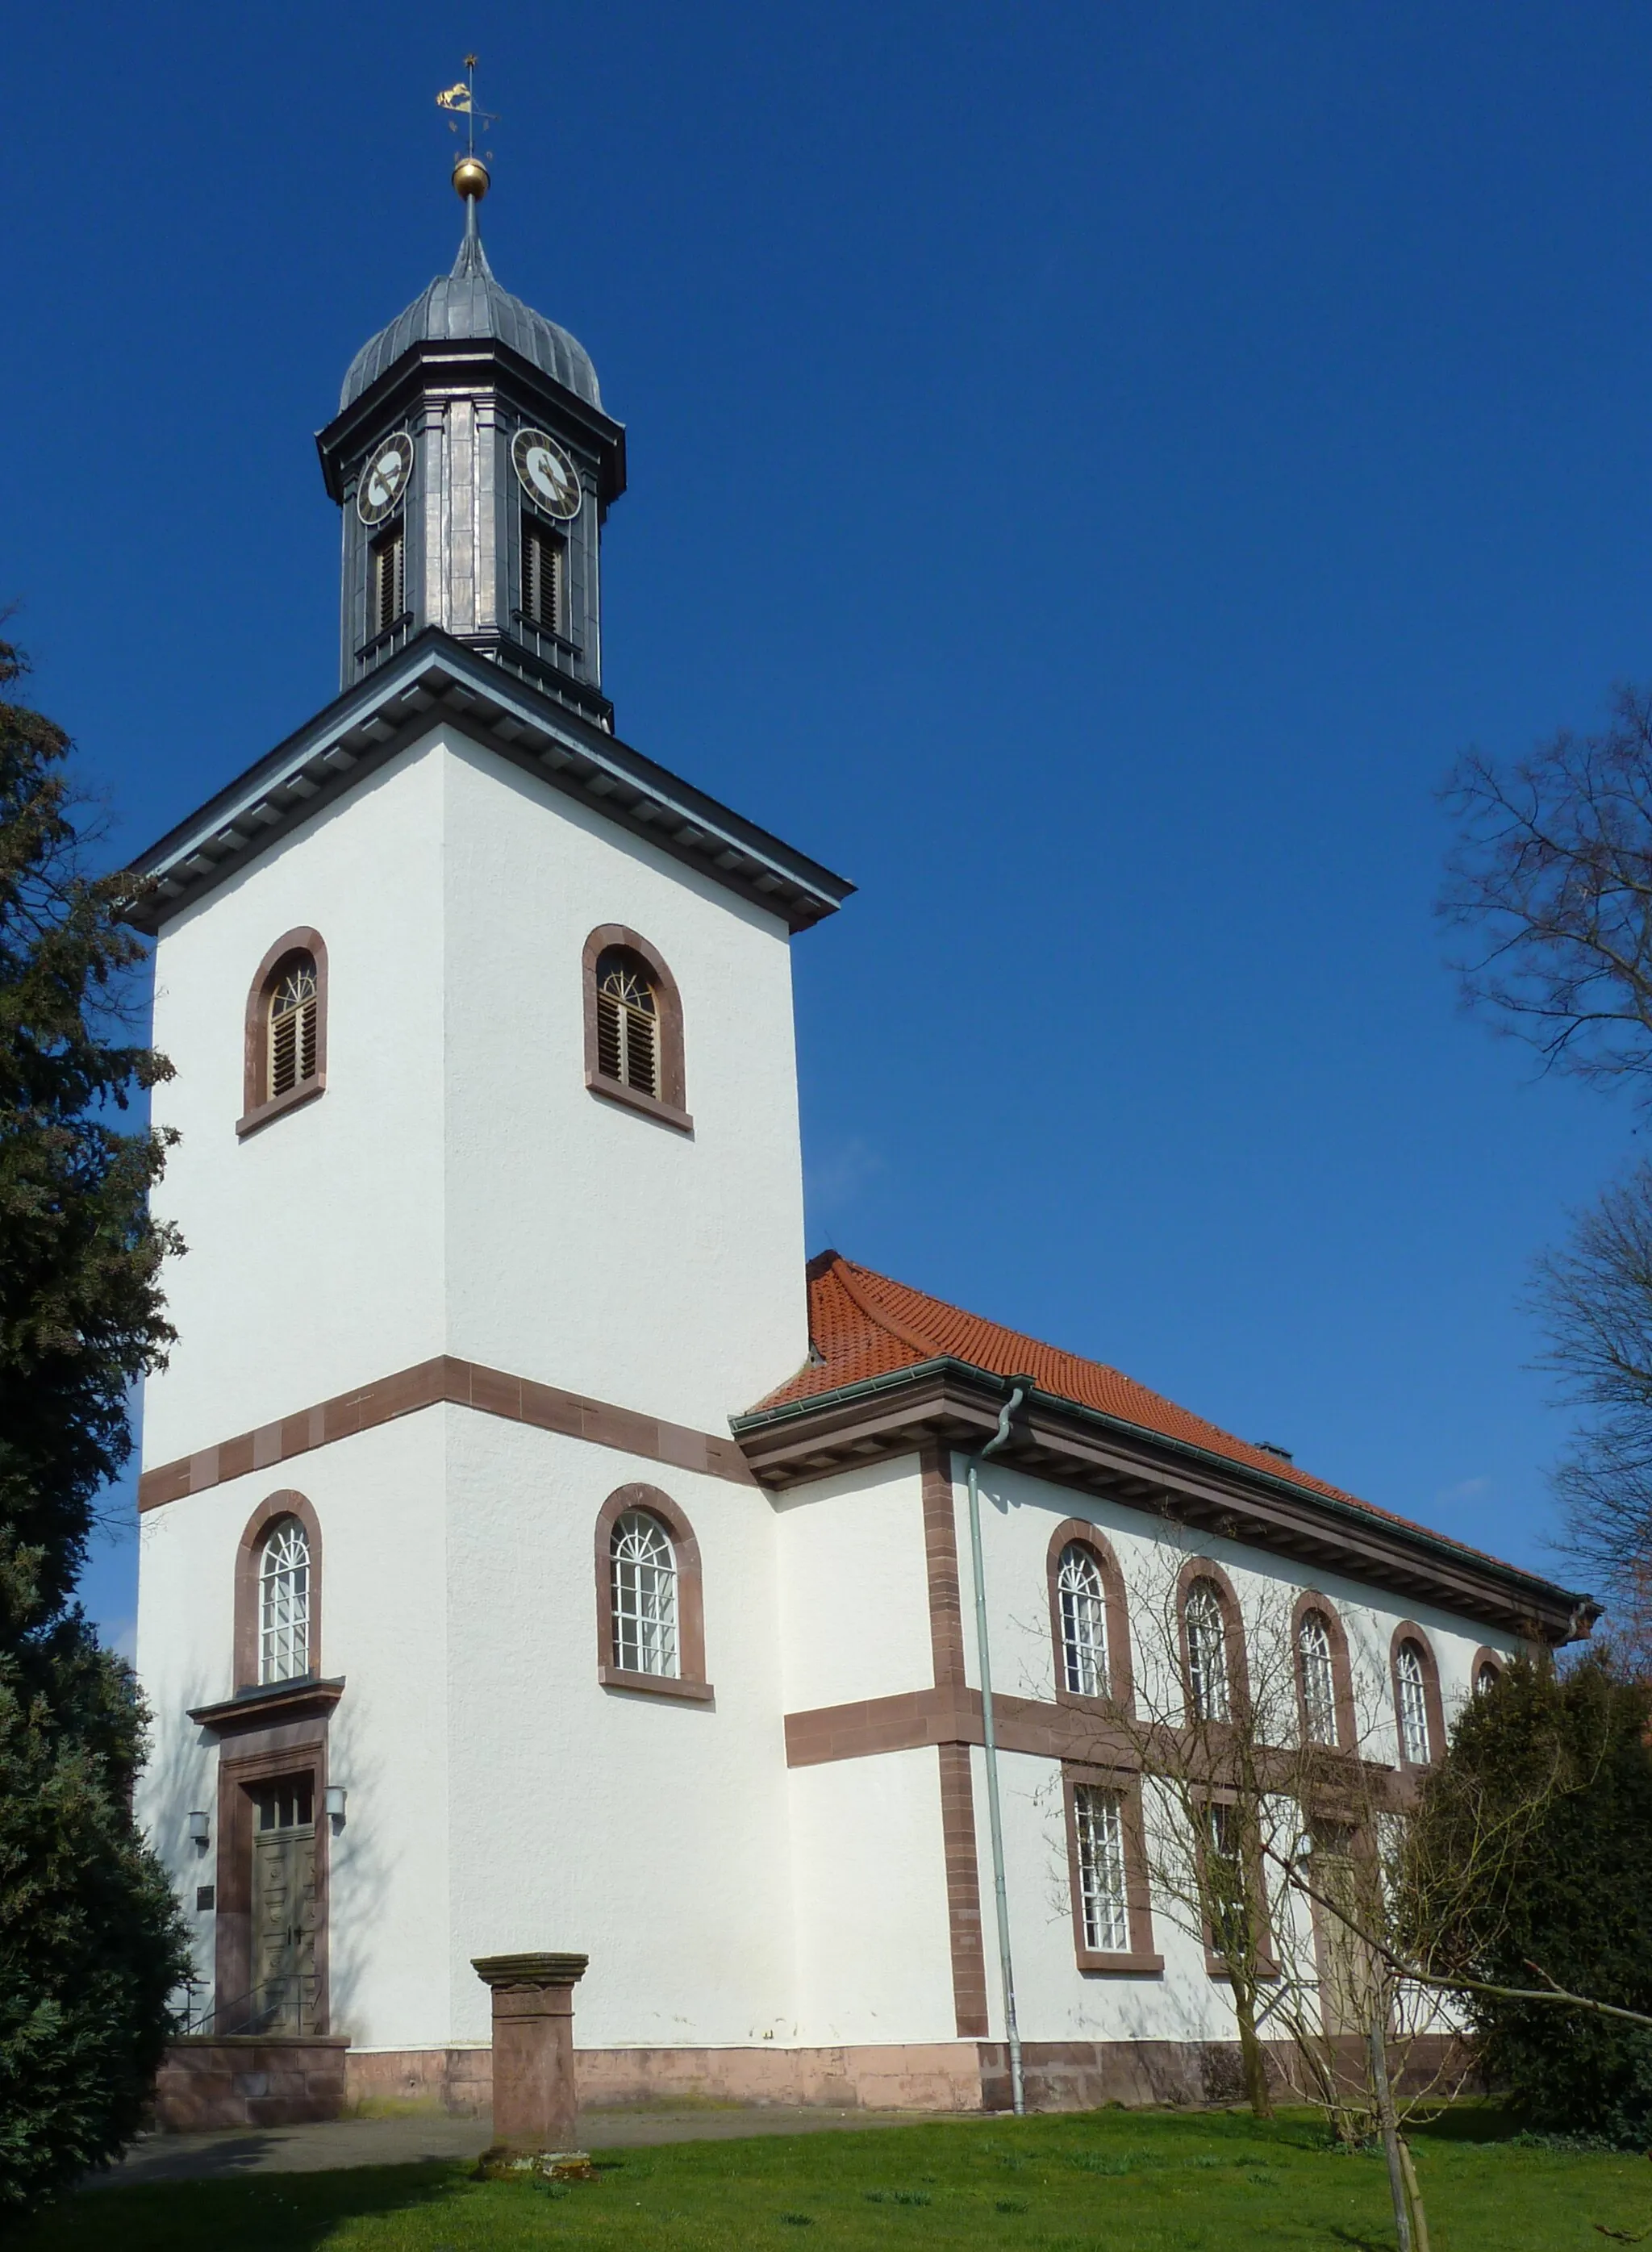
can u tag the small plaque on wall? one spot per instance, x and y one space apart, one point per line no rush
207 1896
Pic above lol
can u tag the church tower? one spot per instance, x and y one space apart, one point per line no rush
489 1166
474 466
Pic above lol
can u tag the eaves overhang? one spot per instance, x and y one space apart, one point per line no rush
437 681
943 1402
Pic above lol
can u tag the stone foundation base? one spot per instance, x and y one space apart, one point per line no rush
254 2081
251 2079
899 2076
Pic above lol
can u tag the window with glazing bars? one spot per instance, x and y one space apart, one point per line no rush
542 555
1103 1901
1318 1677
645 1595
283 1603
1206 1653
385 580
1084 1626
628 1021
1410 1680
1228 1902
293 1003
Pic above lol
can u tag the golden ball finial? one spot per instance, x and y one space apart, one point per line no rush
470 178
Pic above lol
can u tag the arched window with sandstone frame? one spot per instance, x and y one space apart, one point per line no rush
1089 1618
650 1600
1325 1710
633 1026
1419 1720
277 1622
1214 1680
284 1039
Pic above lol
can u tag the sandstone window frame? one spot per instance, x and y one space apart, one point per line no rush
1345 1735
259 1106
1119 1695
1140 1960
689 1682
1201 1571
1486 1660
1209 1803
269 1515
670 1106
1407 1635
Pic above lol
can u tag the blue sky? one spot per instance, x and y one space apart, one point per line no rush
1092 469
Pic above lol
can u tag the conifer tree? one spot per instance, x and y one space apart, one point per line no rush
91 1942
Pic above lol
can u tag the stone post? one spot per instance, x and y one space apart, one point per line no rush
535 2104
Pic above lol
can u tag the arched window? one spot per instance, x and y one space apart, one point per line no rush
644 1584
650 1609
1411 1697
278 1593
1487 1677
285 1034
1317 1678
628 1021
633 1025
1089 1621
283 1602
1084 1622
1206 1628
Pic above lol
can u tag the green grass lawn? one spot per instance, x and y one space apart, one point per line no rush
1128 2181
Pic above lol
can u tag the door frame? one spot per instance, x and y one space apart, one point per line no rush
301 1749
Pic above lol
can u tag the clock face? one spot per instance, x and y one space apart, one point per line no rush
546 473
385 479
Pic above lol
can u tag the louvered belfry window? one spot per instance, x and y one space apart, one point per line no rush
292 1005
387 584
541 576
628 1021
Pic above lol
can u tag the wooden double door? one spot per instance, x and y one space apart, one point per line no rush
285 1906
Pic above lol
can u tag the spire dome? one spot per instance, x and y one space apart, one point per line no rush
469 302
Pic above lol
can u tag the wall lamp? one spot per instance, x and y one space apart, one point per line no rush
333 1800
201 1828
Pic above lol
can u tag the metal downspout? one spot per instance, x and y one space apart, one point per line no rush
995 1820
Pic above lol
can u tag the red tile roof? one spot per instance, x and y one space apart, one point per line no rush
861 1324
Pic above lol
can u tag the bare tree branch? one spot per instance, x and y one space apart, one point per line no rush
1550 881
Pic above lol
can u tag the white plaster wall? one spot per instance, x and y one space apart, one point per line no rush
315 1246
854 1588
457 1188
379 1502
874 1949
648 1833
588 1246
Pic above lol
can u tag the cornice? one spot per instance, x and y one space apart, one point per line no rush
308 1699
948 1403
436 681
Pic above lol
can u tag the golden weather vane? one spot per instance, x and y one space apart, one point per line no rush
470 172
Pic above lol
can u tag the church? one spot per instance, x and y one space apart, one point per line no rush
537 1551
